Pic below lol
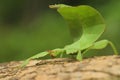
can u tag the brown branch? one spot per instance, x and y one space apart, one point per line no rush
97 68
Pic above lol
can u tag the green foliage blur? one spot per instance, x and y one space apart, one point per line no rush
28 27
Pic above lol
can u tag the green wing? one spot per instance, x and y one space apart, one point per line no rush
83 19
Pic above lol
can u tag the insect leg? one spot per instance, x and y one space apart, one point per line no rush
102 44
79 56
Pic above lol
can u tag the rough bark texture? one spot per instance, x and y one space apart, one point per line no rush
97 68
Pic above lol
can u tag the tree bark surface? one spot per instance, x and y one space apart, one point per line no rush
97 68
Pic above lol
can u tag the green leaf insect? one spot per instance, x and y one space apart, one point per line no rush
80 19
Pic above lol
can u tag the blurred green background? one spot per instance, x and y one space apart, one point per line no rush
28 27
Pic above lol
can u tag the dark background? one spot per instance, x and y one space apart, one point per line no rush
28 27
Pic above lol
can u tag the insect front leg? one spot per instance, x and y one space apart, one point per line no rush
39 55
52 53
